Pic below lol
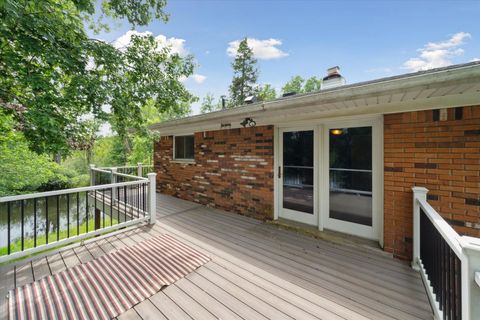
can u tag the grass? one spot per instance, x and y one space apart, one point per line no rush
16 245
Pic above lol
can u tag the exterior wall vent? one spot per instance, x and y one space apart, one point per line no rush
333 79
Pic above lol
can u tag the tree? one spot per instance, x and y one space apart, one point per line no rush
299 85
294 85
266 93
52 74
209 105
312 84
245 75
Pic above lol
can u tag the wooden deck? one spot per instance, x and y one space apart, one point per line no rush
258 271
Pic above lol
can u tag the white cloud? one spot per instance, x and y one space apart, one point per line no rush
438 54
262 49
177 45
475 59
198 78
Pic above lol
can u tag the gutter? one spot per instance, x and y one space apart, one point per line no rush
459 74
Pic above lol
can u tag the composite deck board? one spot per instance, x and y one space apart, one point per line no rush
147 311
383 310
355 271
40 269
129 315
366 295
23 274
187 303
56 263
210 303
284 282
291 238
258 271
168 307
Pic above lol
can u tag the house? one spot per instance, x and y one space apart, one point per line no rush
344 158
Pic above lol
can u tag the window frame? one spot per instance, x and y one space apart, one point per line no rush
174 156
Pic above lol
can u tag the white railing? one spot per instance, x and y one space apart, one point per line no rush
448 262
45 220
140 169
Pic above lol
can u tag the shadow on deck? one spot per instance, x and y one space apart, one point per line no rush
257 271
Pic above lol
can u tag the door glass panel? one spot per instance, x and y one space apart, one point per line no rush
351 174
298 171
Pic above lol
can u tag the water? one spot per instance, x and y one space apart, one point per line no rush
71 212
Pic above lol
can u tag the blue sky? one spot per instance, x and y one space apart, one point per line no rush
367 39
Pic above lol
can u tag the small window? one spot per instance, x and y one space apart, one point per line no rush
184 147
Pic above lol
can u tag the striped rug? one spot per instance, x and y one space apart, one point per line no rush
104 288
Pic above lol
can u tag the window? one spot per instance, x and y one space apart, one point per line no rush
184 148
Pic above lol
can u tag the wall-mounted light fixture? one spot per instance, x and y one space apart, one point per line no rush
336 132
248 122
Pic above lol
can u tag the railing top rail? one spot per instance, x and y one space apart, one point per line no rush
128 176
451 236
73 190
100 170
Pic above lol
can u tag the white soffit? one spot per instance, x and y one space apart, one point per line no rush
447 87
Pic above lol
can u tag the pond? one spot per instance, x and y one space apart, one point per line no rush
64 215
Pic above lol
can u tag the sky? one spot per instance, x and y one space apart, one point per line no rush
367 39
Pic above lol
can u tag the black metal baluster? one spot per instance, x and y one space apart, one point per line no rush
23 224
143 199
125 201
58 219
86 209
47 227
136 200
95 210
68 215
78 213
9 213
103 206
111 207
35 222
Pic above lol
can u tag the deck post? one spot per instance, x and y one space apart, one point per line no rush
139 169
419 193
92 175
113 179
152 196
470 277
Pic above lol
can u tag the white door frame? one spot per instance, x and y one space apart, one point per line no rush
307 218
321 161
372 232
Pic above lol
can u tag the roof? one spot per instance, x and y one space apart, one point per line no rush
467 74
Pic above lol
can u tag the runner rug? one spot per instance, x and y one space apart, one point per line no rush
105 287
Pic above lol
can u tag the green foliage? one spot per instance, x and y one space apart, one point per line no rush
299 85
23 171
245 75
209 105
266 93
52 74
294 85
142 150
312 84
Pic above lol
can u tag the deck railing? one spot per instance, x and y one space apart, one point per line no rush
448 263
140 169
35 222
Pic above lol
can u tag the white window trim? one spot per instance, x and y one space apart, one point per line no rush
183 160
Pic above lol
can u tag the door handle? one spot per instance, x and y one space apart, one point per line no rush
279 172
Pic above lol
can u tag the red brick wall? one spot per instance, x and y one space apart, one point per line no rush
233 170
443 156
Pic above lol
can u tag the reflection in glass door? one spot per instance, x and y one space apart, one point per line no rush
350 175
298 175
